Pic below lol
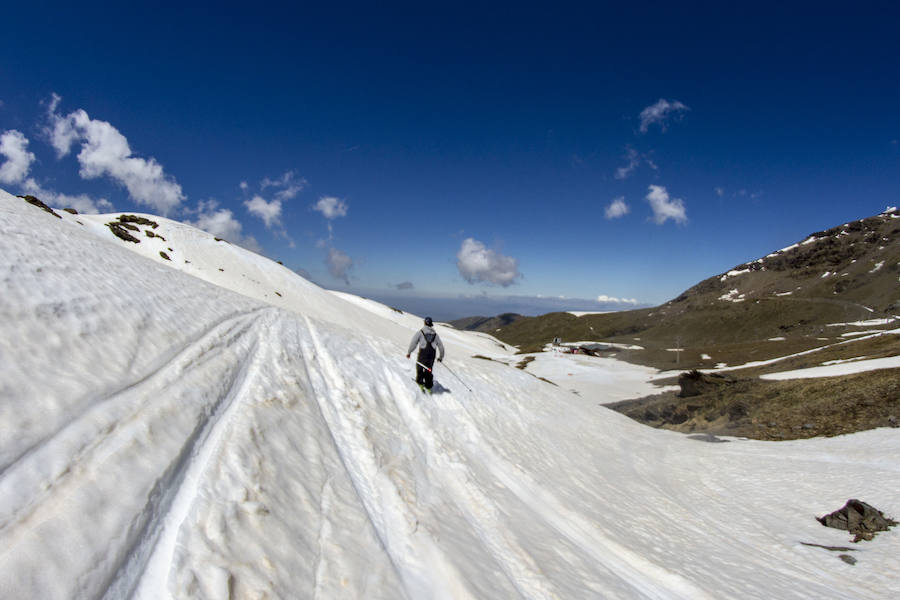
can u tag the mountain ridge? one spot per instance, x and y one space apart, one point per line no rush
806 293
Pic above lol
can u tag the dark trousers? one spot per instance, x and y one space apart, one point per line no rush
423 375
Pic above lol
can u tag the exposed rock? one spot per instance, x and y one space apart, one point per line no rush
71 211
121 233
164 255
859 518
694 383
35 202
138 220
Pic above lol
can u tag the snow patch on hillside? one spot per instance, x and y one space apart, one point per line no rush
834 369
733 296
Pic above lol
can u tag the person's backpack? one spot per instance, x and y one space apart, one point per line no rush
426 354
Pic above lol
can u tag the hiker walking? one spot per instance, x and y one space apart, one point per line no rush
426 339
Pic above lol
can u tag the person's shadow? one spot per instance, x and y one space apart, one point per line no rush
437 388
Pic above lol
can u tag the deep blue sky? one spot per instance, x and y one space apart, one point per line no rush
495 129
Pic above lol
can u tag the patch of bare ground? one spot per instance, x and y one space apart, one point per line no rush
775 410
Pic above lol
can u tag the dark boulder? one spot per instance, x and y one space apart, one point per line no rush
695 383
859 518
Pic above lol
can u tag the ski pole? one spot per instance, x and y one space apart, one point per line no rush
424 367
457 376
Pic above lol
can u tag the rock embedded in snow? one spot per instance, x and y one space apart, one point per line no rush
859 518
35 202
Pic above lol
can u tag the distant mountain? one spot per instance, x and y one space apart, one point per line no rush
796 298
486 324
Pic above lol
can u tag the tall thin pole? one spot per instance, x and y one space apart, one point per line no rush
457 377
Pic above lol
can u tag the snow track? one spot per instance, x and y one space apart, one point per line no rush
96 448
416 558
646 578
446 439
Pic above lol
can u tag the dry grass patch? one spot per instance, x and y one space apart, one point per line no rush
777 410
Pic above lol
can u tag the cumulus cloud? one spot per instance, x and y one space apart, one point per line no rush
222 224
617 208
406 285
476 263
269 212
14 148
105 152
660 114
664 207
603 298
339 264
331 207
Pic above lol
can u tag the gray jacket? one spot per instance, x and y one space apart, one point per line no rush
418 341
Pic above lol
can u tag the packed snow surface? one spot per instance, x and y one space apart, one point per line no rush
835 368
598 379
162 436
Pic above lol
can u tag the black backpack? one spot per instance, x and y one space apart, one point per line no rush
426 354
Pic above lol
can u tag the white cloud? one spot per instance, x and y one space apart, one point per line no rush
720 191
634 160
243 185
83 203
269 212
406 285
105 152
221 223
339 265
614 300
660 113
617 208
287 186
476 263
331 207
665 208
14 147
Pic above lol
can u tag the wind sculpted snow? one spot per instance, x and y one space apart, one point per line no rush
161 436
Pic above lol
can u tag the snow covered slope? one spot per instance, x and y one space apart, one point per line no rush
161 436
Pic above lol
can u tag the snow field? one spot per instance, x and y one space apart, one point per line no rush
185 441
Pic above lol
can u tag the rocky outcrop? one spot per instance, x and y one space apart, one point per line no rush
859 518
695 383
